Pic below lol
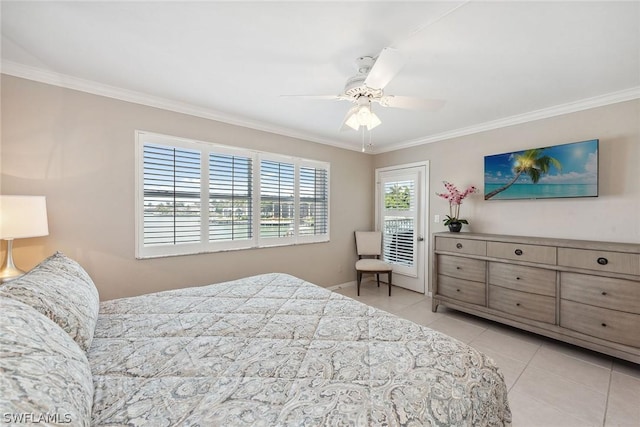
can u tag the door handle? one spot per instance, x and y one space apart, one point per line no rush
420 238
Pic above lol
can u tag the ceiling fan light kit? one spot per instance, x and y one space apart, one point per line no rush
361 115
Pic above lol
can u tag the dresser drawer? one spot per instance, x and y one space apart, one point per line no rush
463 246
520 278
615 262
600 322
616 294
523 304
519 252
463 290
462 268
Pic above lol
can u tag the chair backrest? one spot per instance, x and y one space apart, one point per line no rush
369 243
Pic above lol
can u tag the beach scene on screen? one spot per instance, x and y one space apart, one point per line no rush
567 170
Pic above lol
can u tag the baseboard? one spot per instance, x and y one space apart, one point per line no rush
353 283
341 286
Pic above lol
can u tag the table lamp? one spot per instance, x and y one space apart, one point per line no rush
20 217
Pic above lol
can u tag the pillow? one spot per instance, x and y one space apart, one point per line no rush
60 289
44 376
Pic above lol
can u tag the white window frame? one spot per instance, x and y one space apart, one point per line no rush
302 163
205 246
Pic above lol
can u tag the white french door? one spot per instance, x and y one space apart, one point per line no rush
401 216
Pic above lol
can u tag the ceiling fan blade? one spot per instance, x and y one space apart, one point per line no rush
411 103
387 65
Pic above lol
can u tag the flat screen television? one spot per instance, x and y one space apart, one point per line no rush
567 170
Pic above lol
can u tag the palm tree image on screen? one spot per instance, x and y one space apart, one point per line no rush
532 163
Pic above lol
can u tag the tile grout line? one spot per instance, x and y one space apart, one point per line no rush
587 362
606 406
579 359
524 369
605 393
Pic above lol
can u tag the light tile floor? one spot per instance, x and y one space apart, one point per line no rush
550 383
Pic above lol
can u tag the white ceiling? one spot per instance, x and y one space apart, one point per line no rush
495 63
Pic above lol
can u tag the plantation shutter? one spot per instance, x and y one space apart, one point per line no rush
230 197
399 221
194 197
171 195
277 202
313 205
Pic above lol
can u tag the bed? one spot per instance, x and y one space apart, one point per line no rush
271 350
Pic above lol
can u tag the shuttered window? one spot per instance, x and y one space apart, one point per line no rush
195 197
314 201
230 197
277 199
171 195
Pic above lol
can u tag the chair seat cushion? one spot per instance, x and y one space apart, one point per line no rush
372 265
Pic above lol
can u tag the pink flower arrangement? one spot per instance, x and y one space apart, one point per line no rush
455 198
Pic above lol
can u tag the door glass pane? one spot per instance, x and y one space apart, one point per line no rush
399 218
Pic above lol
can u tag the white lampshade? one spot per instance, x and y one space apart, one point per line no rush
361 115
23 216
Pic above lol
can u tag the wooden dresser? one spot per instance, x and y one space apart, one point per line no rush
582 292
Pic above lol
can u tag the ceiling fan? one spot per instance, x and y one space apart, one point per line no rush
367 87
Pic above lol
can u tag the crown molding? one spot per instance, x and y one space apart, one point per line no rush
69 82
62 80
558 110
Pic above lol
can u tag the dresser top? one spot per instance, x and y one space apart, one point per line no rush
546 241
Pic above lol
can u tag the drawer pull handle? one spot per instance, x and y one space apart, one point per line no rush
457 268
603 261
604 325
604 293
457 290
517 278
517 304
459 245
518 252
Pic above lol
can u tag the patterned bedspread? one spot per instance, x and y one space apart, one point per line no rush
275 350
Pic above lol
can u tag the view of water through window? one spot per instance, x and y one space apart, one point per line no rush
291 199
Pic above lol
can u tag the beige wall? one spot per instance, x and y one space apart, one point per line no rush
613 216
78 150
